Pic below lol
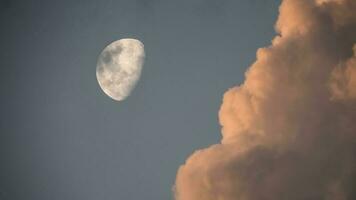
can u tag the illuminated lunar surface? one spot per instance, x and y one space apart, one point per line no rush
119 67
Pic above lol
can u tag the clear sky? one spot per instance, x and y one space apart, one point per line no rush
61 137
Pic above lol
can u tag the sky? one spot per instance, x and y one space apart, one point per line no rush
61 137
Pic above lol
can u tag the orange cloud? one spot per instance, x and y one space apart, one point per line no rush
343 80
288 131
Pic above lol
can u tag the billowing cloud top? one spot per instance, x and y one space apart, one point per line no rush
289 130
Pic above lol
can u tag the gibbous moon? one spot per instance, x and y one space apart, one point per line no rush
119 67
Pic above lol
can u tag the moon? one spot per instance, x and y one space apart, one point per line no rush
119 67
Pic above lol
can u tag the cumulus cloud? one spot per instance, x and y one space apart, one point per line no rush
289 131
343 80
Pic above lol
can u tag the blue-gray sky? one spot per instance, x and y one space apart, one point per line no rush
61 137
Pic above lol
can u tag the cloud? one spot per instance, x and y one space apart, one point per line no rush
288 132
343 80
